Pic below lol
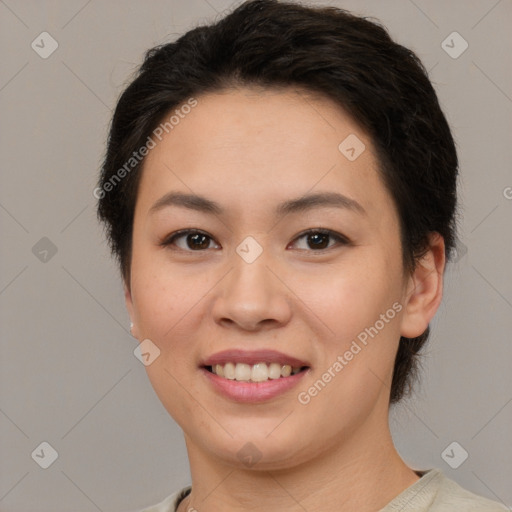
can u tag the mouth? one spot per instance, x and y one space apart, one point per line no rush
253 376
254 365
259 372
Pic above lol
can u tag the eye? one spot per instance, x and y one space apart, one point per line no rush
195 240
318 239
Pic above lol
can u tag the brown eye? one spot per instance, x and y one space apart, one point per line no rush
197 241
319 239
193 240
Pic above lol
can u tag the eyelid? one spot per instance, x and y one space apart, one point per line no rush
341 239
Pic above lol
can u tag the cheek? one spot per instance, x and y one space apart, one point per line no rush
157 304
163 295
352 298
357 352
362 308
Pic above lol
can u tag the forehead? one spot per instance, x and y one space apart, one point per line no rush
254 148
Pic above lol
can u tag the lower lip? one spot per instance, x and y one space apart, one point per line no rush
252 392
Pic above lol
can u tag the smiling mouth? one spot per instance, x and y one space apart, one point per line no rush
260 372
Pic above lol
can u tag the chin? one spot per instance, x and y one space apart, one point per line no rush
258 451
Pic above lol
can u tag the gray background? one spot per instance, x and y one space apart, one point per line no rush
68 373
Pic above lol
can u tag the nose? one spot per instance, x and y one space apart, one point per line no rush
252 297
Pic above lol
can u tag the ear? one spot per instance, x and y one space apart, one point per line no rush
424 289
131 310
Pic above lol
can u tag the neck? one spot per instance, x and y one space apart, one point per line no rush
364 473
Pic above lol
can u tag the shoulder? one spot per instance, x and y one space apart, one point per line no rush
170 503
452 497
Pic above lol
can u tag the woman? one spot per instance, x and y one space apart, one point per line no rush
280 191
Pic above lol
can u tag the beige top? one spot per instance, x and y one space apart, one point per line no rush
433 492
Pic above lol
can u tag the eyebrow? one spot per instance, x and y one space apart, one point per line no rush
307 202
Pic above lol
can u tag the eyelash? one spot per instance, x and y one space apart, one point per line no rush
168 241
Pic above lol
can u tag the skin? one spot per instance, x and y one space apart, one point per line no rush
250 149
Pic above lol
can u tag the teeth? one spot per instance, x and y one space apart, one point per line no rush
219 370
274 371
259 372
229 371
242 371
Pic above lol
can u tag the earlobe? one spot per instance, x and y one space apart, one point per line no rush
424 289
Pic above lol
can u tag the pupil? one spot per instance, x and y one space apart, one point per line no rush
198 237
317 238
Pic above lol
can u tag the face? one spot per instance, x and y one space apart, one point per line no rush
234 276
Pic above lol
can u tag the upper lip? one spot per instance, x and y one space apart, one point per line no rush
252 357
